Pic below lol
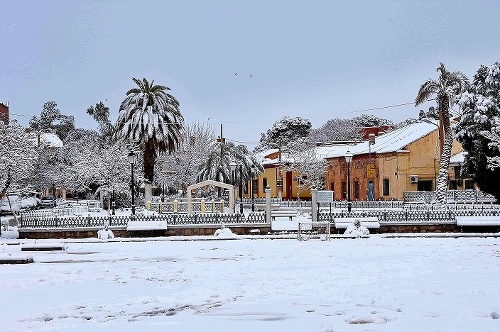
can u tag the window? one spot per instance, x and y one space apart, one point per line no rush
386 187
356 189
344 190
264 184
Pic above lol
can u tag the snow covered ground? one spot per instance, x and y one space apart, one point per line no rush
190 284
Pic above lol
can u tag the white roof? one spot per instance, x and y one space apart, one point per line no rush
393 141
51 140
458 158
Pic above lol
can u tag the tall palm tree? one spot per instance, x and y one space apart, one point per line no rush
150 117
446 89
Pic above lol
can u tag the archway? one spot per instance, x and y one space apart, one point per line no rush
229 187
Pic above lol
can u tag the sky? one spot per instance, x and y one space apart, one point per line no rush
242 64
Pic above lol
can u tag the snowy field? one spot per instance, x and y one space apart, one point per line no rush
366 284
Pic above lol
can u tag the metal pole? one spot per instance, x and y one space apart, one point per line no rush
241 190
113 204
349 206
251 191
132 187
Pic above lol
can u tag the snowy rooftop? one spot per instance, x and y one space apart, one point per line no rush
458 158
393 141
51 140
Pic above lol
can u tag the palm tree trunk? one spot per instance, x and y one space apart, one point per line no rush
444 162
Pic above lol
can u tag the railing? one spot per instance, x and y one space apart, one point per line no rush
364 204
37 221
458 196
446 215
198 206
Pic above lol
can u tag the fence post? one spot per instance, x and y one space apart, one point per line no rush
314 205
268 204
176 206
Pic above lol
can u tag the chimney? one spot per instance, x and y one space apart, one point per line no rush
371 138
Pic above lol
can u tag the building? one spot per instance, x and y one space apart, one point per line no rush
405 159
4 113
284 184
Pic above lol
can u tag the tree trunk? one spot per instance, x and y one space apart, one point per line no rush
149 168
444 162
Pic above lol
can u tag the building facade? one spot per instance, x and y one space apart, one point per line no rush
406 159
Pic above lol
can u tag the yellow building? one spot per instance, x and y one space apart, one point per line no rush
285 184
405 159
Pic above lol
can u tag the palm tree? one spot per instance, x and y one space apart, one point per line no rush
151 118
446 89
221 154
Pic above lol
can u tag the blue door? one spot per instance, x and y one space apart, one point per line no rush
371 189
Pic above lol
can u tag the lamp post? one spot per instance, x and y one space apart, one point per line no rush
113 204
131 160
54 193
241 189
251 188
232 167
348 159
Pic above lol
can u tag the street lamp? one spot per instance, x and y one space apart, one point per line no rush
232 167
252 171
131 160
348 159
54 193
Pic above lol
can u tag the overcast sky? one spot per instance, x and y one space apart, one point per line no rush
243 64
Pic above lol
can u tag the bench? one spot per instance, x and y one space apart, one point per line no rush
368 222
478 221
283 213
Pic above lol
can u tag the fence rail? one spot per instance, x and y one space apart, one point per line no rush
36 221
417 216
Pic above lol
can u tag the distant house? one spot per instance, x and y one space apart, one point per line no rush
405 159
283 183
4 113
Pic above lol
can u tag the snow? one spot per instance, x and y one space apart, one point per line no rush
393 141
182 284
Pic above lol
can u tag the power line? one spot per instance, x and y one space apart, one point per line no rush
388 106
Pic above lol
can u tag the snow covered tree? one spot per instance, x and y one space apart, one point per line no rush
494 143
283 132
447 88
303 159
51 119
180 168
335 130
100 113
151 118
85 166
216 167
18 155
366 120
478 127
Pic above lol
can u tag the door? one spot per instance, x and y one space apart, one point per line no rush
371 191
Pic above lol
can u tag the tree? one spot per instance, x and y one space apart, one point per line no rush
150 118
477 128
100 113
18 155
446 89
335 130
303 159
366 120
180 168
283 132
51 119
